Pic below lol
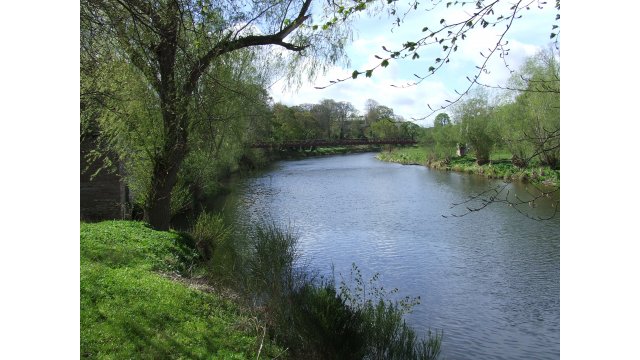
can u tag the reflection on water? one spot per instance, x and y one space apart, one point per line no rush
490 279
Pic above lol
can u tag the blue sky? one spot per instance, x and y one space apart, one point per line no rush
527 36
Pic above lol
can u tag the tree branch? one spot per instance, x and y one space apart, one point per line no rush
227 45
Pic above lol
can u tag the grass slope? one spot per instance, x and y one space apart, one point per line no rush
128 310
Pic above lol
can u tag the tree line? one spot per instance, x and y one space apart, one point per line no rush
332 119
522 118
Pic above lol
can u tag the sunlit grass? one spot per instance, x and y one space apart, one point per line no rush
130 310
500 166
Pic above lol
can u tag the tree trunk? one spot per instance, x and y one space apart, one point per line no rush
158 211
482 157
166 166
165 174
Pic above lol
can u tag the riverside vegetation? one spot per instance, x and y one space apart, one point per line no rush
211 293
512 134
499 166
175 94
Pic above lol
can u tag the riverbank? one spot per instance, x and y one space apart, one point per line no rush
136 302
139 299
500 166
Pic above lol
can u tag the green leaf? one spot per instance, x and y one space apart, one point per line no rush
315 27
431 68
552 36
368 73
384 63
355 74
441 21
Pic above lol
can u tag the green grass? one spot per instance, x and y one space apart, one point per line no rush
128 309
499 168
405 156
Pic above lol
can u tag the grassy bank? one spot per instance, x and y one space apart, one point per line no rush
138 300
500 166
131 308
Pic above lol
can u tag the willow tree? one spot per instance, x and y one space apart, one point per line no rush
172 43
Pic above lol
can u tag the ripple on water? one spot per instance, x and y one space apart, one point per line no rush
489 280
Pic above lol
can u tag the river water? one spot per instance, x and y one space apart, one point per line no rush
489 280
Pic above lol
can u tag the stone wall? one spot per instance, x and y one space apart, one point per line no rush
105 196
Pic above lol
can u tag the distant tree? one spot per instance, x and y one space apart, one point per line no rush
370 115
324 113
540 105
446 139
343 112
442 119
474 116
384 113
385 129
409 130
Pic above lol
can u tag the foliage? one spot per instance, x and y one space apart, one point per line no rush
474 116
331 119
442 119
170 49
446 138
209 233
540 109
128 310
330 329
385 129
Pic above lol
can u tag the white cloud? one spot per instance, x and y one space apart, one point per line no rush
411 102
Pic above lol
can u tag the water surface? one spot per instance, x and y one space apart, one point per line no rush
489 280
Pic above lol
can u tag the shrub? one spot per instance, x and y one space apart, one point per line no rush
209 233
329 327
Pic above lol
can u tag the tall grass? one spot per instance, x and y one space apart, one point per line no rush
314 318
387 334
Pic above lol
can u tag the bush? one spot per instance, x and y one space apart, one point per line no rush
329 327
209 233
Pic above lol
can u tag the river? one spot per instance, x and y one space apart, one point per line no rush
489 280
